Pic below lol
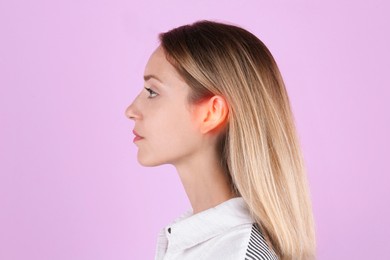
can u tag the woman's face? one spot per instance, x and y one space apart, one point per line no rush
163 117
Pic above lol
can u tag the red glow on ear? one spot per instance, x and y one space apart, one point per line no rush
211 115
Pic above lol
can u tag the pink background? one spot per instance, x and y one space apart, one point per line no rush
70 184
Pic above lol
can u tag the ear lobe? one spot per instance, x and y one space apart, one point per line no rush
216 114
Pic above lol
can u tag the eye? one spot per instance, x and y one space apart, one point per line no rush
151 92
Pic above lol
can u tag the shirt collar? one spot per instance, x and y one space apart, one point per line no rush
190 229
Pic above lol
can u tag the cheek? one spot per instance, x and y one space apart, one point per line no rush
179 126
172 136
176 131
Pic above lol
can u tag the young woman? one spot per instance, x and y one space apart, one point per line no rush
215 106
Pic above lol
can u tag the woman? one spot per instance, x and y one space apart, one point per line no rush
215 106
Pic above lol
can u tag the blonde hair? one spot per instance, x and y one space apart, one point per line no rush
259 148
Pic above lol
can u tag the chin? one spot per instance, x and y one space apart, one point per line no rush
149 162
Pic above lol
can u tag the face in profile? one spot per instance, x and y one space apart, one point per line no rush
162 115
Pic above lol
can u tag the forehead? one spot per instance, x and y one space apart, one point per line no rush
159 66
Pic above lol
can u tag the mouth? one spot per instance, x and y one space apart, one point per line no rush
137 136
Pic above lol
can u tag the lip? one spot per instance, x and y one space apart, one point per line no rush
137 136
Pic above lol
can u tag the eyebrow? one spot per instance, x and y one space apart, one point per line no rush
147 77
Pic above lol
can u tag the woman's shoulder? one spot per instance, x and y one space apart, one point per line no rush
241 242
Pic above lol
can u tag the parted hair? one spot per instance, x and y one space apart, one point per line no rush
259 147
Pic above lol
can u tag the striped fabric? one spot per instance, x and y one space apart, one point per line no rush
257 247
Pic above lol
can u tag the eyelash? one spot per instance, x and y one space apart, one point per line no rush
151 92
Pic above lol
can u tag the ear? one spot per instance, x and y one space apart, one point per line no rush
213 115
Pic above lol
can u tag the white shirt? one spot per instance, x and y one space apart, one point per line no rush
226 231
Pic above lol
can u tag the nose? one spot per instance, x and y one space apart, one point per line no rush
130 112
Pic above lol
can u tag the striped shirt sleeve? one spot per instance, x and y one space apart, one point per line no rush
257 247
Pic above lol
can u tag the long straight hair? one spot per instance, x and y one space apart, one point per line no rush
259 147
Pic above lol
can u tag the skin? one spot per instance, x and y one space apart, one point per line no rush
179 134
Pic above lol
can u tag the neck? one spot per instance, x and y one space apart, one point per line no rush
205 183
